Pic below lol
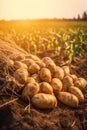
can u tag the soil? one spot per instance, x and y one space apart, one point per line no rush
20 116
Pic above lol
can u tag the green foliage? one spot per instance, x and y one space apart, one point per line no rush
65 38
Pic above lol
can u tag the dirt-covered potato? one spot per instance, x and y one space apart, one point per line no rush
46 88
44 101
47 60
28 62
21 75
34 68
30 80
77 92
45 75
30 90
73 76
68 99
66 70
80 83
59 73
56 85
51 67
67 82
17 57
40 63
33 57
19 64
36 78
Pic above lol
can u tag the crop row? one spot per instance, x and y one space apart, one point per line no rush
63 39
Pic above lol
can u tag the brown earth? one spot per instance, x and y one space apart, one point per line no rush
16 116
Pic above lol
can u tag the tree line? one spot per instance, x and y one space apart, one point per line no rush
83 17
79 17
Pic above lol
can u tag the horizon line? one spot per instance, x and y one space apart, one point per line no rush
32 19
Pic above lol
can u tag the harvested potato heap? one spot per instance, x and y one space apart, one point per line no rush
45 83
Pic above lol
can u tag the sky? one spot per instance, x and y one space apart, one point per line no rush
34 9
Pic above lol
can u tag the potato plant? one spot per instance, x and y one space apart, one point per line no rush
64 38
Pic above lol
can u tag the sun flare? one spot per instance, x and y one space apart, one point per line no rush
26 9
34 9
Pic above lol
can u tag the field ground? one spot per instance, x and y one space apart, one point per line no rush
16 116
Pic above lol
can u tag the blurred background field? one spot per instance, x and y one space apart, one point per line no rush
67 38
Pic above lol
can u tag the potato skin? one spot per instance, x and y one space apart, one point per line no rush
45 75
44 101
36 77
19 64
18 57
51 67
68 99
66 70
21 75
40 63
77 92
46 88
33 57
80 83
73 76
34 68
67 82
59 73
47 60
28 62
30 80
30 90
56 85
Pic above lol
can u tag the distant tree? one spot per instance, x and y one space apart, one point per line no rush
78 17
84 16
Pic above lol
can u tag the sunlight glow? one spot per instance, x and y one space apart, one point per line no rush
24 9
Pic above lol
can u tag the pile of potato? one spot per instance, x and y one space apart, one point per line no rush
45 83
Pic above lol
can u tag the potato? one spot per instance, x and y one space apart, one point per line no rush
67 82
46 88
18 57
59 73
19 64
68 99
36 78
30 80
28 62
56 85
34 68
66 70
47 60
30 90
33 57
77 92
40 63
80 83
44 101
73 76
45 75
51 67
21 75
